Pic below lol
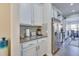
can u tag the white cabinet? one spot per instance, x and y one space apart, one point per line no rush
42 47
29 48
30 51
38 14
31 14
34 48
26 13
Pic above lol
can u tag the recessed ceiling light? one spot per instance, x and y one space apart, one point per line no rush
73 10
71 4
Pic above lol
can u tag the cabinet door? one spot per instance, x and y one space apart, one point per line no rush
30 51
42 47
29 48
26 13
38 14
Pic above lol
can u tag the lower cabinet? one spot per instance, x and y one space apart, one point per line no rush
30 51
29 48
34 48
42 47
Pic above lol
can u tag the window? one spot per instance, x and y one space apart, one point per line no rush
74 27
68 27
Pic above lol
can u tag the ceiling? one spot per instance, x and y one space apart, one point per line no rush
66 8
72 20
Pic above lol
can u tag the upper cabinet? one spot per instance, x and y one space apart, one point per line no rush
26 13
31 14
38 14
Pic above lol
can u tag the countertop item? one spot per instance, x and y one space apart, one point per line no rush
27 32
27 39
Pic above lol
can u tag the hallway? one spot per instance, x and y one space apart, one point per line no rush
69 48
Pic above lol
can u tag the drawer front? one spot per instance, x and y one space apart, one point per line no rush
29 51
28 44
41 40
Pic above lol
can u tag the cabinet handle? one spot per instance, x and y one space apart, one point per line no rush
38 47
31 44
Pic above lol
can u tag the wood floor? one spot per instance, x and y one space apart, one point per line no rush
69 48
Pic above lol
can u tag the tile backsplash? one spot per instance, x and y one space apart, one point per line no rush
23 29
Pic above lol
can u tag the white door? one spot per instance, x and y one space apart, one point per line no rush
29 48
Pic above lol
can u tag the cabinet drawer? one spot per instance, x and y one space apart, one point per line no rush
30 51
41 40
29 44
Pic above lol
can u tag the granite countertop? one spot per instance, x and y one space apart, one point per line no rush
27 39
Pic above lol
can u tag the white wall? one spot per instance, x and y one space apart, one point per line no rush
15 30
47 17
